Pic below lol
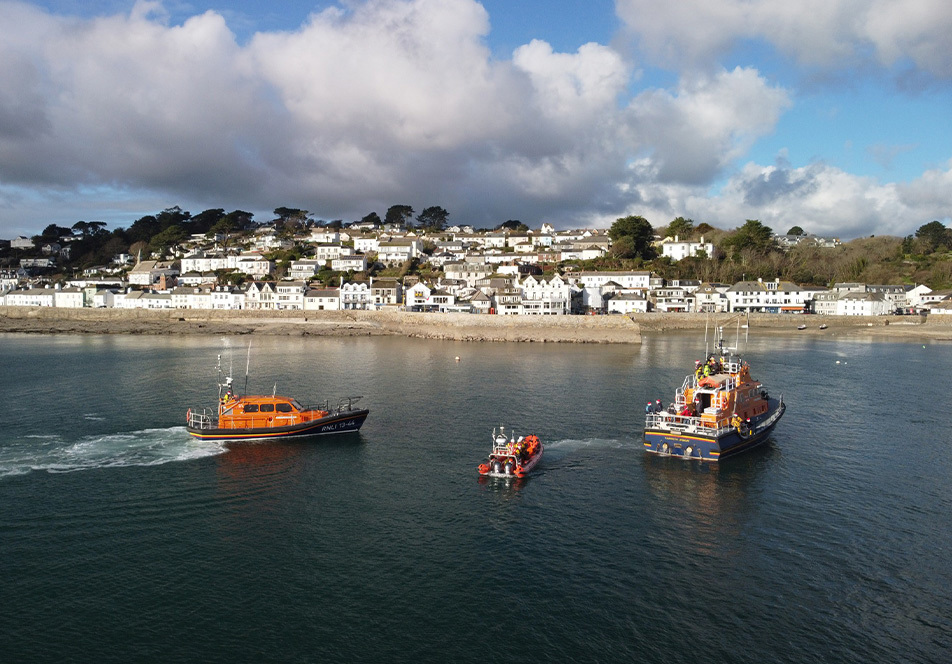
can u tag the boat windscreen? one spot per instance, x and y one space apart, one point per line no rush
297 406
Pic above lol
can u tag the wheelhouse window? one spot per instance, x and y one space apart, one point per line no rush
251 408
284 407
267 408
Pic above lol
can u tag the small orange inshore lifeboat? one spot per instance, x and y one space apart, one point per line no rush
512 456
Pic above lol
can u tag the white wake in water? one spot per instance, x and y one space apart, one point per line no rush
573 444
148 447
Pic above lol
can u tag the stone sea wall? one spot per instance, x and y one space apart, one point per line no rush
462 327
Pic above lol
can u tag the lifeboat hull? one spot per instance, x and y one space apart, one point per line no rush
488 468
692 444
334 423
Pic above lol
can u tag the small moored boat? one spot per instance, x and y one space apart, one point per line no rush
512 456
718 411
265 417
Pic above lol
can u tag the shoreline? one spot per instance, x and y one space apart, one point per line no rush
458 327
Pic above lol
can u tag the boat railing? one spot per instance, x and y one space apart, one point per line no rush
202 420
346 404
684 422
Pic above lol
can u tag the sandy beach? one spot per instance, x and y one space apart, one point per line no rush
461 327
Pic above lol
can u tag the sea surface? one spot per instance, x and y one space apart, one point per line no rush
124 540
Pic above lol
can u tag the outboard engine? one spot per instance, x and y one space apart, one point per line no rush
497 467
509 468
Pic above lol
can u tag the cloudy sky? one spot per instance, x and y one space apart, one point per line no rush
833 115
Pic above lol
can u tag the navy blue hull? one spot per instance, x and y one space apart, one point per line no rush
693 445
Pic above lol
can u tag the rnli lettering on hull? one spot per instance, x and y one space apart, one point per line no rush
338 426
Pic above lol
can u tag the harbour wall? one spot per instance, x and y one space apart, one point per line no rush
461 327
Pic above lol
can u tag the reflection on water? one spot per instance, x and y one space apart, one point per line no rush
708 502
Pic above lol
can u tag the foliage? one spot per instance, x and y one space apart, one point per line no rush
372 218
753 236
935 235
399 214
513 225
433 218
681 227
796 230
632 237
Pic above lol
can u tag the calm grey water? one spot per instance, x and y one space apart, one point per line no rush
121 539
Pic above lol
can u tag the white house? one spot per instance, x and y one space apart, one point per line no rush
355 262
71 298
679 249
862 304
328 252
289 294
322 299
104 298
365 244
712 297
260 295
417 296
356 295
144 300
304 269
397 251
672 298
254 265
639 279
626 303
546 297
31 297
324 236
227 297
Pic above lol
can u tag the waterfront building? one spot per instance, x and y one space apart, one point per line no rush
322 299
289 294
862 304
626 303
774 297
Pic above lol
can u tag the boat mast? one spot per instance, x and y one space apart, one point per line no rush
247 368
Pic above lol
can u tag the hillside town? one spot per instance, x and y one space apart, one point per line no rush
508 272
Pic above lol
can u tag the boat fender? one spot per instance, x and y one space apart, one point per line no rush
188 416
688 451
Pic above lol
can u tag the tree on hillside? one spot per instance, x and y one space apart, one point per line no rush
433 218
163 240
203 221
173 216
90 228
513 225
796 230
632 237
400 214
681 227
284 214
934 235
753 236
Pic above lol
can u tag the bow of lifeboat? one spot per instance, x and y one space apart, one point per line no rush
511 456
